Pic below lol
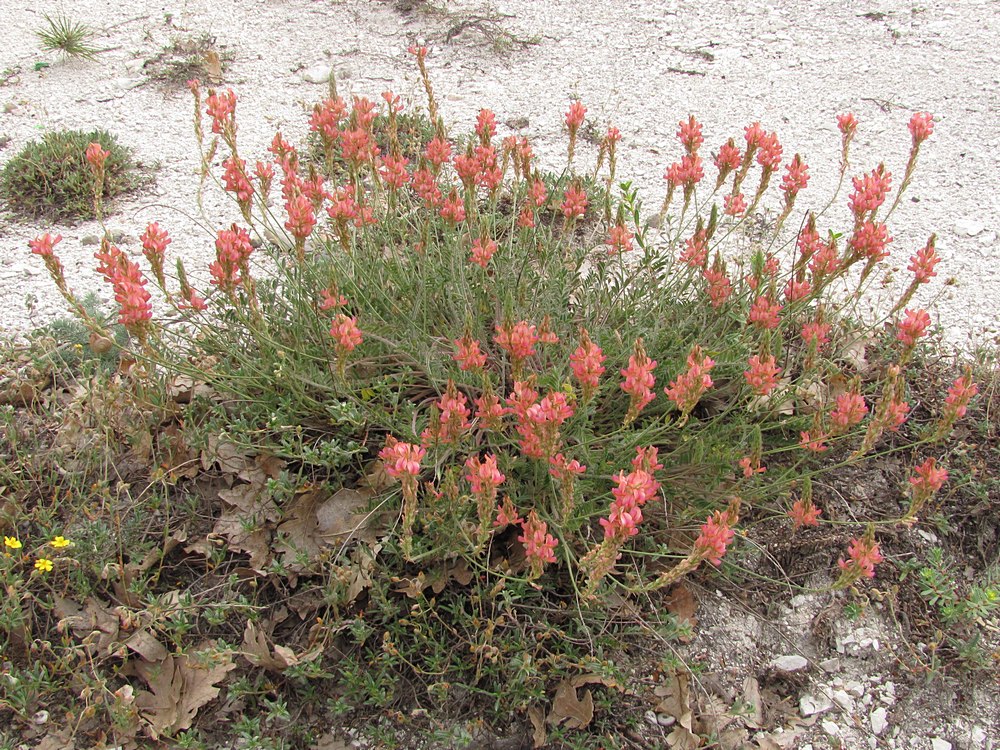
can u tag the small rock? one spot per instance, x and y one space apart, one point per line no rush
91 239
651 718
939 744
830 665
842 699
810 705
879 720
799 600
978 736
854 687
790 663
830 727
665 720
969 227
40 717
319 73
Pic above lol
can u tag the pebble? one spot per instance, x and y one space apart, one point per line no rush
969 227
319 73
830 665
978 735
879 720
665 720
939 744
830 727
842 699
810 705
790 663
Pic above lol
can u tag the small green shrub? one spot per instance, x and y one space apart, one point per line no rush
71 38
51 179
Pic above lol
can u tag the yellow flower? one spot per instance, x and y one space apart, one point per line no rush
59 542
42 565
12 542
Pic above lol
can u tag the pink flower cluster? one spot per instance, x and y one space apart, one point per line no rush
484 478
452 417
870 191
804 513
468 355
401 459
862 556
346 333
638 381
232 256
129 286
634 490
539 545
762 374
715 536
587 365
518 341
538 422
922 264
913 326
688 388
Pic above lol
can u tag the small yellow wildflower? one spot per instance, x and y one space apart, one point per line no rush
42 565
59 542
12 542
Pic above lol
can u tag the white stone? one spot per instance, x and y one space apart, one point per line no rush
939 744
978 735
665 720
651 718
810 705
830 665
854 687
830 727
969 227
319 73
799 600
842 699
879 720
790 663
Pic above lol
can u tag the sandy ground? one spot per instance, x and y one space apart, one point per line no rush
640 65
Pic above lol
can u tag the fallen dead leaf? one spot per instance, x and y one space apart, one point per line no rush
178 687
568 709
258 652
537 718
682 605
751 697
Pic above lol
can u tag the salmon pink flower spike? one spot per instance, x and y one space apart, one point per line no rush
574 205
222 109
619 239
716 535
922 264
804 513
797 289
769 152
486 126
813 441
689 134
154 246
507 515
764 313
232 255
921 127
734 205
638 381
235 179
518 340
870 191
956 404
469 356
43 245
538 193
393 172
913 326
762 376
563 470
587 365
453 210
796 178
401 459
690 386
539 545
751 466
345 332
96 155
575 115
862 556
330 301
426 188
484 478
438 151
928 478
489 411
727 160
869 241
850 410
482 251
847 124
719 286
